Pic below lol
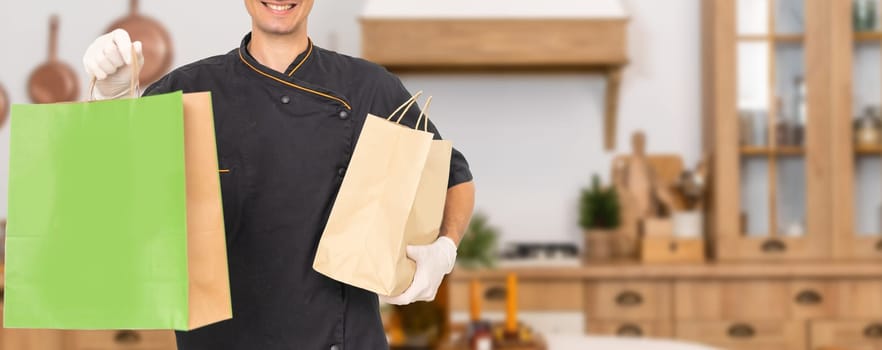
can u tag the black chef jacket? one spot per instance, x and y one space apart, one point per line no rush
284 141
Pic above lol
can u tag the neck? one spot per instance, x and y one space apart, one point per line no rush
277 51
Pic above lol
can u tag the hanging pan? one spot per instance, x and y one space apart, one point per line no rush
155 39
4 105
53 81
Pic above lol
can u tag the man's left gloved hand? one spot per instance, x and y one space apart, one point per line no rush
433 261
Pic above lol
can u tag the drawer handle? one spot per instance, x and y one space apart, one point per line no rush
873 331
879 245
495 293
742 331
630 330
774 246
809 297
629 298
127 337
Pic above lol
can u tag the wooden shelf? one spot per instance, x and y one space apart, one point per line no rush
766 151
868 150
625 270
868 36
778 38
443 45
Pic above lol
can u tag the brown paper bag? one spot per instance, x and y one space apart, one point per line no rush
427 212
363 243
209 289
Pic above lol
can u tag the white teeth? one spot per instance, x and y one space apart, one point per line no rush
280 7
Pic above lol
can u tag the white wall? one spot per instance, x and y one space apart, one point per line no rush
533 140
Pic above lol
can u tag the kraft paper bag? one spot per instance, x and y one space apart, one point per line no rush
363 242
209 283
424 222
115 219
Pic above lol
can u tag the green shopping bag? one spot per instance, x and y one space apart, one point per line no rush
97 226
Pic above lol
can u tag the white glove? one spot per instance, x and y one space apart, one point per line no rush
109 60
433 261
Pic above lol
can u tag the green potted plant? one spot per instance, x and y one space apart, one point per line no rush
599 217
478 246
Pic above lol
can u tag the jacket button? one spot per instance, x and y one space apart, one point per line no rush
341 171
335 347
344 115
286 99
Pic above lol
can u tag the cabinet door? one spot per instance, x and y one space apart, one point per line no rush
626 329
744 335
852 335
29 339
770 129
858 138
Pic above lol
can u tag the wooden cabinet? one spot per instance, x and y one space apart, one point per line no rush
768 101
787 85
121 340
43 339
632 329
859 299
727 300
533 295
628 301
857 152
851 335
744 335
788 305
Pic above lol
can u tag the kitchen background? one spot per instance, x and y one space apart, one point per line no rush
530 138
773 243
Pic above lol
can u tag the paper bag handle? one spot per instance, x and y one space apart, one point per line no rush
424 114
406 106
134 83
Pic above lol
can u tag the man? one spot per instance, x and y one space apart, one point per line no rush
287 118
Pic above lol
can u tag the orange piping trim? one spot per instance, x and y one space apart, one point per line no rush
294 85
308 52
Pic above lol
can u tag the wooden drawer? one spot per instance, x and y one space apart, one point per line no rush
752 335
851 335
638 329
812 300
728 300
859 299
122 340
31 339
632 301
533 295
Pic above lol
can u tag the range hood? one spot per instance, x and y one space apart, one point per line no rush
501 35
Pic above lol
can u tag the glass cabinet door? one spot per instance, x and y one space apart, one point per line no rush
773 120
866 131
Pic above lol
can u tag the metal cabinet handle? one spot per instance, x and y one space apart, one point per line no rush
495 293
809 297
774 246
741 330
873 331
127 337
629 298
630 330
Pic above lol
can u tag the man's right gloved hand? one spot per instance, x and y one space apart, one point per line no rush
109 60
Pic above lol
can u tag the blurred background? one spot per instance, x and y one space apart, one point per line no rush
651 174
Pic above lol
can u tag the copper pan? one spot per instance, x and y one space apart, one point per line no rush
53 81
4 105
157 44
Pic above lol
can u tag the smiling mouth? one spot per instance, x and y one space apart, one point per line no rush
279 7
